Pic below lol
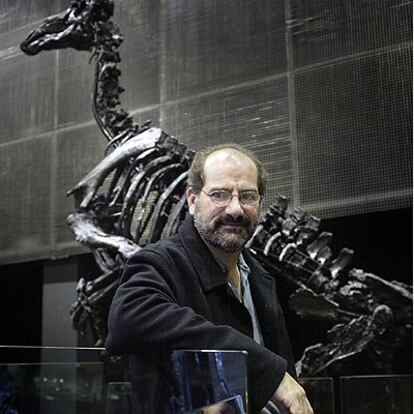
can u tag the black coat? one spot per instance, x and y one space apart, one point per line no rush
174 295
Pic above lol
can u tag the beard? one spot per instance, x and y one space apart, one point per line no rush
229 239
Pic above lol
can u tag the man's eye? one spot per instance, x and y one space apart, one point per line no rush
220 195
248 197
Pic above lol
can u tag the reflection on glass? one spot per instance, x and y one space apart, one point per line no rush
118 400
205 382
51 388
213 380
192 382
233 405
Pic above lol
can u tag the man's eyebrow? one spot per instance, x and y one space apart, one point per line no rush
228 189
219 189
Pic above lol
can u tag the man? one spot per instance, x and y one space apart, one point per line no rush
200 290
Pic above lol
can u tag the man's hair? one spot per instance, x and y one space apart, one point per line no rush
195 174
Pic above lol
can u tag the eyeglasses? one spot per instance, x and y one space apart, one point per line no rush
224 197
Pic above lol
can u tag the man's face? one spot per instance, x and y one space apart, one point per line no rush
227 227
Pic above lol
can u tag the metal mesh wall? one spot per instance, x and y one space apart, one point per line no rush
352 91
320 90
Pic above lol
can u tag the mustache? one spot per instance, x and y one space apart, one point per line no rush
230 220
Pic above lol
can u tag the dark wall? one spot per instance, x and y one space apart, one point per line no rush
382 242
21 303
36 299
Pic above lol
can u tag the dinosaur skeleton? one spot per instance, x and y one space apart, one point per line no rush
136 195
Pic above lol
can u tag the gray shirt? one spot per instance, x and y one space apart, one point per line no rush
247 299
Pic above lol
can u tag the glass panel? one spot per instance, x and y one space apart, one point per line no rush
65 380
76 380
212 377
320 392
119 399
186 382
51 388
16 354
233 405
386 394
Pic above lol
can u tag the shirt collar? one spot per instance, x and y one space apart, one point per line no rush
212 272
243 265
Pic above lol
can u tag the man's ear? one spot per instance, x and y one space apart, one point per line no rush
191 200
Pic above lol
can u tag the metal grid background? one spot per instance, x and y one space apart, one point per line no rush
321 90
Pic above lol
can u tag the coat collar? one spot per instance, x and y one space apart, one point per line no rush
211 273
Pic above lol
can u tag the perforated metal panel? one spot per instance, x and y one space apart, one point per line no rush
354 127
255 116
320 90
74 88
25 209
140 52
211 44
152 114
27 89
321 30
18 13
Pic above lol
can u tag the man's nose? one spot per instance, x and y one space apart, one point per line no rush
234 208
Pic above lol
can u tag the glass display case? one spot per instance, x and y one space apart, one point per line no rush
320 392
383 394
77 380
50 380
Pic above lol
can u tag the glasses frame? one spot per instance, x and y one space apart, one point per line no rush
226 203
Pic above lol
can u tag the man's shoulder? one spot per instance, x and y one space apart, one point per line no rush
160 250
171 242
166 257
178 245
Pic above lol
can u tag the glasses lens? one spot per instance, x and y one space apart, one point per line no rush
220 197
249 198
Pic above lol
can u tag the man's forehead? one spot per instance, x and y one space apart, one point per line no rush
231 157
225 167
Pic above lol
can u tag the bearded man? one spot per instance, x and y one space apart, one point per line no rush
200 289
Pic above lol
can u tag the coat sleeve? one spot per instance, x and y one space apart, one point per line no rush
146 318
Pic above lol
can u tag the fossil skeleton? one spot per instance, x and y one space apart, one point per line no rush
135 195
